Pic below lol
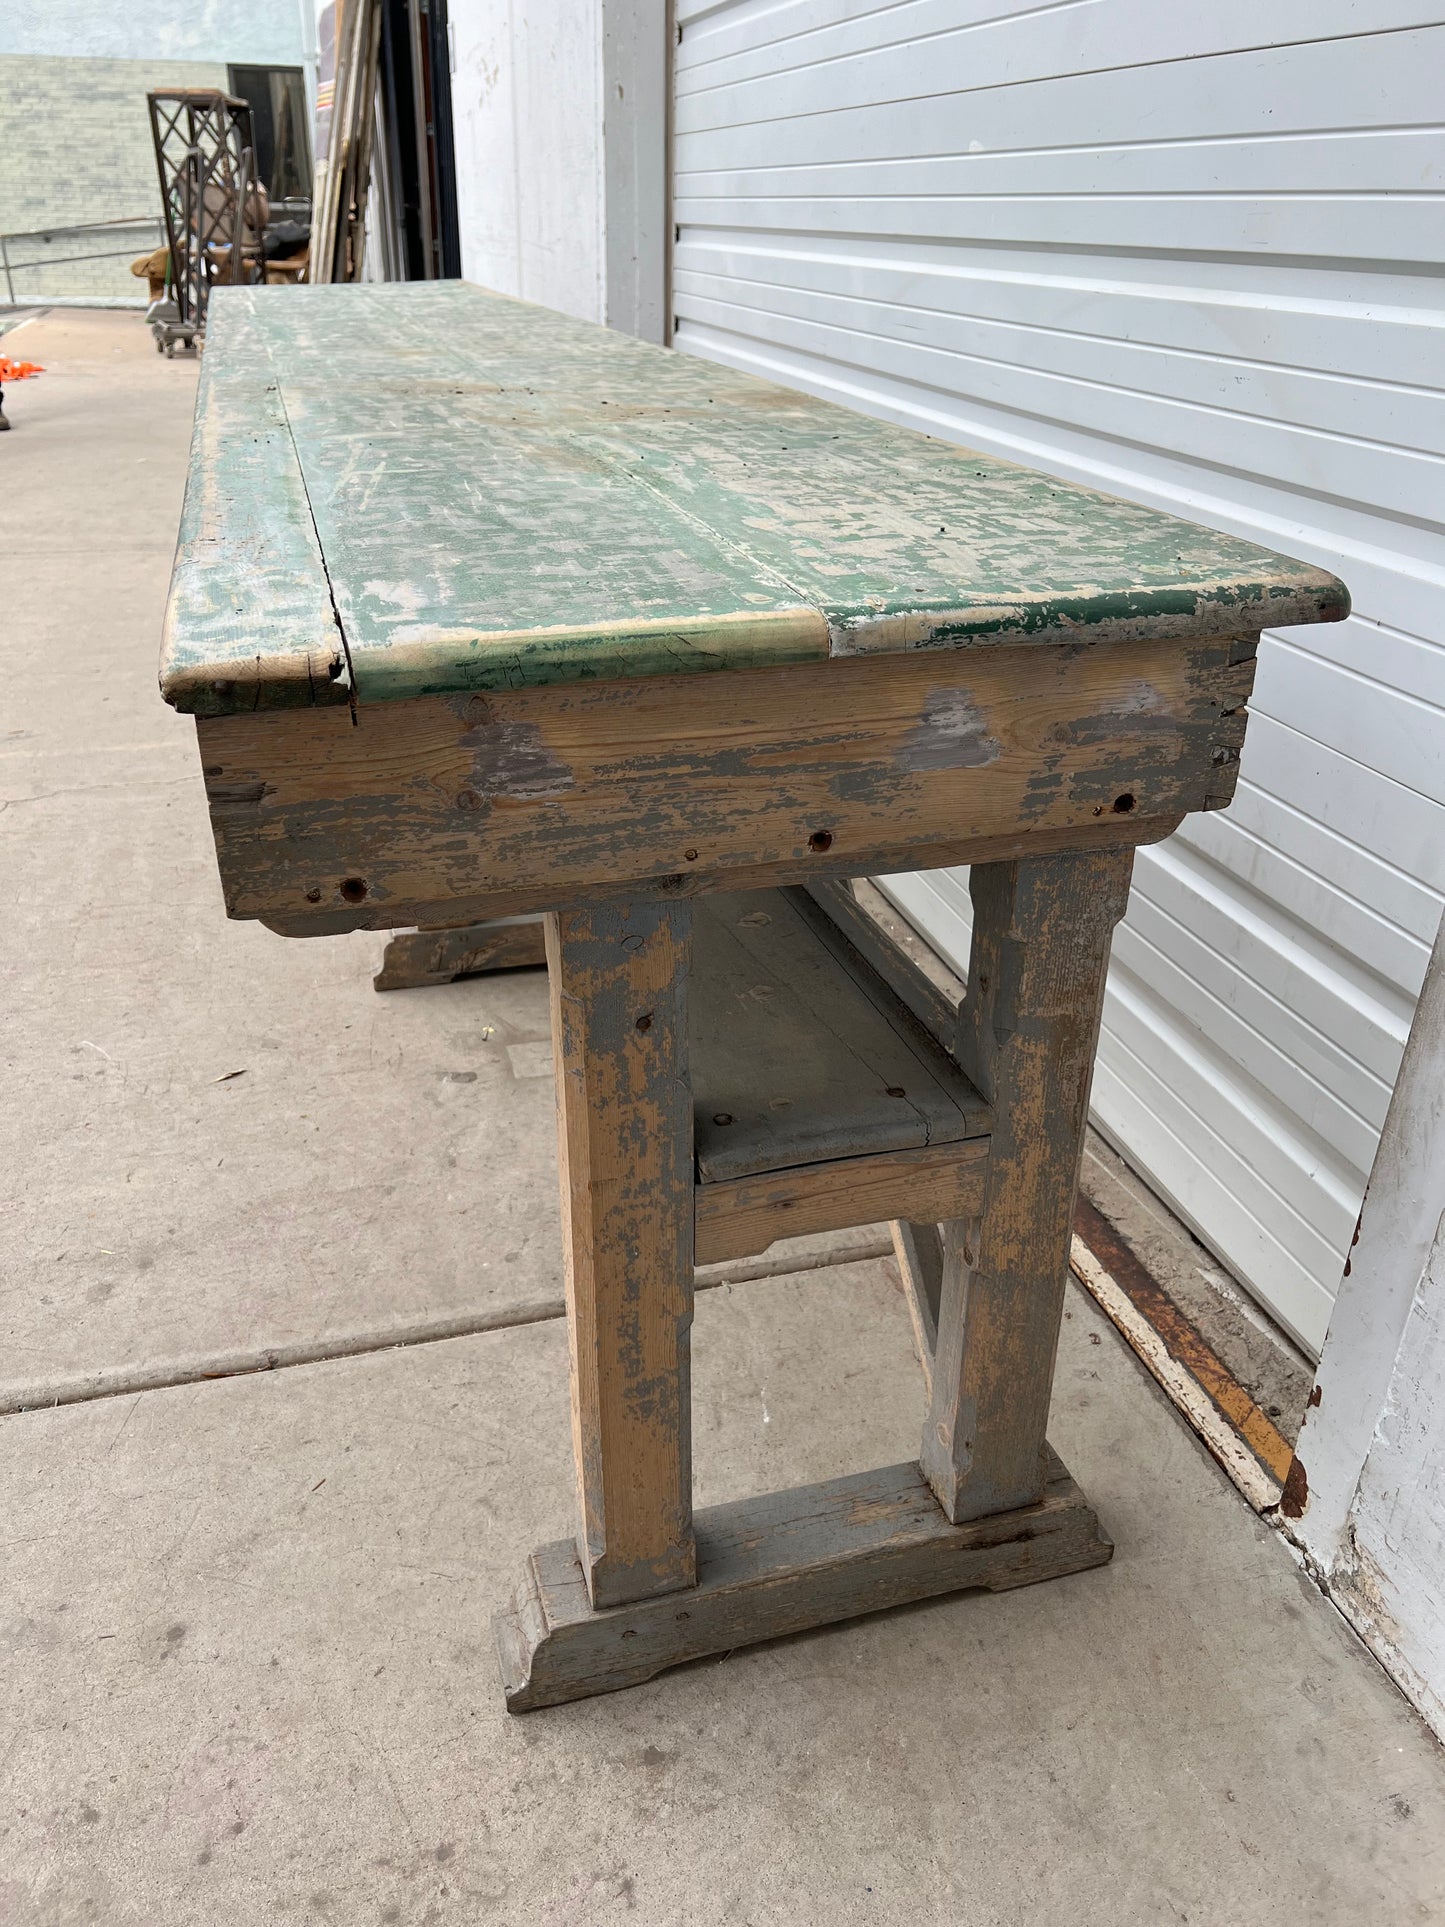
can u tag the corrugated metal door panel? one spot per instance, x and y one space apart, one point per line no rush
1318 422
1245 1005
730 44
1365 865
1357 712
1260 312
1191 256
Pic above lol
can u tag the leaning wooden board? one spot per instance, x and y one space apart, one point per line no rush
482 613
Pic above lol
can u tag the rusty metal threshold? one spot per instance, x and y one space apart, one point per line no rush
1240 1436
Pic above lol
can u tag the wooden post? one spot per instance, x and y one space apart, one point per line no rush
1027 1032
619 1023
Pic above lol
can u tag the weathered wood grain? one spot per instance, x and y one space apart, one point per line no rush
838 908
801 1053
524 899
618 980
438 810
918 1251
1028 1030
427 958
784 1564
503 495
744 1216
250 623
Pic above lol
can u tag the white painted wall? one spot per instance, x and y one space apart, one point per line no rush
635 78
1369 1485
1192 256
526 107
559 108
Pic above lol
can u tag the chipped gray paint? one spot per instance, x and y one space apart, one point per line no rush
512 759
951 734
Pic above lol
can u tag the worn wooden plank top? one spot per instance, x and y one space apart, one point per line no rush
425 489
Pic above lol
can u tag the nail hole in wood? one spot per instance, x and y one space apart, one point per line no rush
896 1090
313 896
821 840
689 856
722 1117
1123 804
353 889
644 1022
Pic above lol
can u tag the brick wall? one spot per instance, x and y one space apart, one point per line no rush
75 145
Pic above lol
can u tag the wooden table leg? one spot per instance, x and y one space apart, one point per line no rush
619 1025
640 1592
1028 1030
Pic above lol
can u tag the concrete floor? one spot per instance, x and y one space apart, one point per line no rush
250 1677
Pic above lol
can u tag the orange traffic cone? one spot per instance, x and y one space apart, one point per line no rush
14 371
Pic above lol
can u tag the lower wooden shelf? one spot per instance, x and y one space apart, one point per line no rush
782 1564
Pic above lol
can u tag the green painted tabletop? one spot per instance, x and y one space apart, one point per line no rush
426 488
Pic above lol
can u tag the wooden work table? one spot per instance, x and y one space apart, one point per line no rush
483 613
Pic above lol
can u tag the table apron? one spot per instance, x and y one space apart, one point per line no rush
457 807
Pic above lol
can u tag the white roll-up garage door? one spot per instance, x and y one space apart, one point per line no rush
1190 255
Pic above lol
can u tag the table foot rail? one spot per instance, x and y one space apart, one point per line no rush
783 1564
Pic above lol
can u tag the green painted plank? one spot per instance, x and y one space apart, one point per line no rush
511 554
504 495
907 542
249 623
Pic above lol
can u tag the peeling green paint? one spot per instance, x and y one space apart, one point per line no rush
425 489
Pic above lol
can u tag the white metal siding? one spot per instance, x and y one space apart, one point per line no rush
1192 256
